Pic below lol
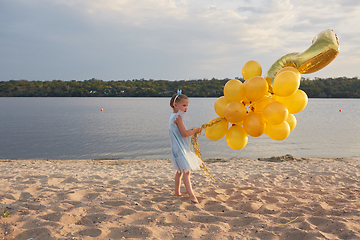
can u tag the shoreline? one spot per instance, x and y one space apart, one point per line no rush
270 198
287 157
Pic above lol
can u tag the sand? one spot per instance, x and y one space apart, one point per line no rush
270 198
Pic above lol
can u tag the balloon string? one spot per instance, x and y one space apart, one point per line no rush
197 148
289 222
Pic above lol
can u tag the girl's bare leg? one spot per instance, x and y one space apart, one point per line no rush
177 183
188 187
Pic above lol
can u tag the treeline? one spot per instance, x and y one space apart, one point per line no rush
317 88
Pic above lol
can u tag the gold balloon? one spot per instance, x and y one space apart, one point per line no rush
291 120
324 49
236 137
278 132
285 83
256 88
294 70
275 113
219 106
259 106
295 102
234 90
245 100
218 130
239 123
235 112
251 69
254 124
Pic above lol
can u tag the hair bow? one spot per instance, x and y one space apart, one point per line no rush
178 93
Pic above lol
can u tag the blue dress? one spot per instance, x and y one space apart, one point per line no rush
182 158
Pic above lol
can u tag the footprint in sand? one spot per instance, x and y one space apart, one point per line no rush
135 232
92 219
91 232
37 233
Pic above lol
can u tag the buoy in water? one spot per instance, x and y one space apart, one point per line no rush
101 110
340 110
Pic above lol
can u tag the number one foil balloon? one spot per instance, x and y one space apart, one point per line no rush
323 50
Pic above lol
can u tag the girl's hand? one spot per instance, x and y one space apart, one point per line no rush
197 130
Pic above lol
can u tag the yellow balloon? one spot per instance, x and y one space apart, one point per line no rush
218 130
275 113
254 124
290 69
219 106
234 90
239 123
324 49
245 100
295 102
278 132
251 69
256 88
235 112
259 106
291 120
236 137
286 83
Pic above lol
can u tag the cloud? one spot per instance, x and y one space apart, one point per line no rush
165 39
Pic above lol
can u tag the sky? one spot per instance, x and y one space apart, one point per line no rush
168 39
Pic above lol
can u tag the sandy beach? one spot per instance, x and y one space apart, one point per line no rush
270 198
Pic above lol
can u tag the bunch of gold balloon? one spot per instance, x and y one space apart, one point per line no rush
252 110
267 105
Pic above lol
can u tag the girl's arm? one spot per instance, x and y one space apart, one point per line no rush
184 132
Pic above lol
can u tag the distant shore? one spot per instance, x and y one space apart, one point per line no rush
266 198
340 87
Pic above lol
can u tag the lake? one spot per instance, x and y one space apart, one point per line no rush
137 128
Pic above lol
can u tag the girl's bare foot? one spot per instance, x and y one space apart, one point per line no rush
193 199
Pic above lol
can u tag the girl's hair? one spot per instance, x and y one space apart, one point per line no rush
177 98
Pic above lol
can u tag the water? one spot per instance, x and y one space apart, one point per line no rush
137 128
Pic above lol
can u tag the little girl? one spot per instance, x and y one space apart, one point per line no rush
182 158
